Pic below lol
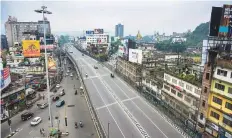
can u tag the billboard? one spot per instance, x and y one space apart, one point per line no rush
51 63
31 48
135 55
98 31
89 32
5 78
225 29
49 47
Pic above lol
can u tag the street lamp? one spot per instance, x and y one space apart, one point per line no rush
43 10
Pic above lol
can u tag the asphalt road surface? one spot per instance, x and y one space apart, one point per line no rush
77 112
129 115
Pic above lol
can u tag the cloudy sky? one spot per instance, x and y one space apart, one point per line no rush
146 16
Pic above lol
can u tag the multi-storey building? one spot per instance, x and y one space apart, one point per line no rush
18 31
183 96
119 30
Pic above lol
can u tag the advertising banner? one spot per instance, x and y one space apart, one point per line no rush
125 46
5 77
135 55
89 32
225 29
51 63
98 31
31 48
49 47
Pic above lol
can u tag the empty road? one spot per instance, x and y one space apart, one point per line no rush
129 115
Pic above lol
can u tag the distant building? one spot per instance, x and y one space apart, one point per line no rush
4 44
18 31
119 30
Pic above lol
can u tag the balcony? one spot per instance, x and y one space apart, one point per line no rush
224 63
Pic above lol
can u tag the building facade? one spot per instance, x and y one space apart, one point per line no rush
40 27
119 30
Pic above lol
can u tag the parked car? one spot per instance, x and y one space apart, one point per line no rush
95 67
43 105
57 85
60 103
36 121
71 75
66 74
55 98
27 115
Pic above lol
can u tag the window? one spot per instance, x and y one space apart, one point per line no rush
227 121
205 90
229 90
219 86
221 72
166 87
180 95
178 107
217 100
167 77
203 103
228 106
207 76
173 91
197 91
214 115
181 84
201 116
187 99
189 87
174 81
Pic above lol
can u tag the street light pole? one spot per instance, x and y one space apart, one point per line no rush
44 11
108 129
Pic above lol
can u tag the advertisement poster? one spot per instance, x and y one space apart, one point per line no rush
5 77
120 51
225 29
135 55
51 63
31 48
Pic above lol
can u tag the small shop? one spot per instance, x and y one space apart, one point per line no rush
15 102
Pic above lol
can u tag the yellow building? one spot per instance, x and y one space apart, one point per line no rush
220 103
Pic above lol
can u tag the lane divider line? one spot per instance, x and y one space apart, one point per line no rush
134 121
98 108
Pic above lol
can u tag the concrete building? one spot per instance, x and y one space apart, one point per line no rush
216 103
178 39
119 30
18 31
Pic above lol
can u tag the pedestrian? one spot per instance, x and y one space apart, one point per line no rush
40 131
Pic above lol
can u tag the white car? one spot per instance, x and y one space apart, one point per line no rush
57 85
68 71
36 121
71 75
66 74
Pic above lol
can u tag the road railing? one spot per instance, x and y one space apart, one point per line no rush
94 116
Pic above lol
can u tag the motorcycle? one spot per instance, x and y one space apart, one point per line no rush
80 123
112 75
76 126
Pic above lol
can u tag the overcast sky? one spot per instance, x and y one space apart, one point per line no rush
146 16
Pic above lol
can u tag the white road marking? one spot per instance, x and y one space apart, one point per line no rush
124 109
106 105
148 104
142 111
108 108
129 99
